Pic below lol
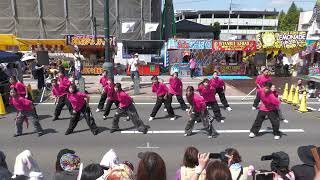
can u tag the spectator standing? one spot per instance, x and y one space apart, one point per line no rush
189 164
5 174
11 70
193 66
40 75
134 66
26 165
78 68
151 167
286 65
21 66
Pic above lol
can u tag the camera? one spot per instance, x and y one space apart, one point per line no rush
221 156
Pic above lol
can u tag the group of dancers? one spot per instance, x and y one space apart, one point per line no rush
67 94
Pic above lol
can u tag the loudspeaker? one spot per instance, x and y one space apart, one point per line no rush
43 58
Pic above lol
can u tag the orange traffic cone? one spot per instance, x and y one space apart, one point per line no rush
291 94
2 107
303 105
285 93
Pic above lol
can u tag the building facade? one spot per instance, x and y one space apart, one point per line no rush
310 21
235 25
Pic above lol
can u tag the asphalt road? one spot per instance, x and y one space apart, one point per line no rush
169 144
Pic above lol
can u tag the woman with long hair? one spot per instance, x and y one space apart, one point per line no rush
198 110
79 102
151 167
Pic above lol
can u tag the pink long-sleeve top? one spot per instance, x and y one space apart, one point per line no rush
216 82
124 99
175 86
208 93
57 92
262 79
192 63
104 81
77 100
20 87
160 89
112 95
199 103
21 103
269 101
64 83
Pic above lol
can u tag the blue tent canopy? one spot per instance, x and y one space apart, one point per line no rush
7 57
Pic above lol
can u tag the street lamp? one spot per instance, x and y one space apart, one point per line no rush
107 65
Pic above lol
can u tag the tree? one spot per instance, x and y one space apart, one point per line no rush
282 16
216 30
291 19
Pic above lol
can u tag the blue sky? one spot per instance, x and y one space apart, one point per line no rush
241 4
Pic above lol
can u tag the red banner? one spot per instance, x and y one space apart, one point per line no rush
247 46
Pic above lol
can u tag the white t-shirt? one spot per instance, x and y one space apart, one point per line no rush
285 61
134 64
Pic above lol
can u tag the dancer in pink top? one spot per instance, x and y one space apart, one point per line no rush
260 81
25 109
220 88
79 102
20 87
198 110
269 107
175 89
161 91
208 94
104 95
111 99
60 99
126 107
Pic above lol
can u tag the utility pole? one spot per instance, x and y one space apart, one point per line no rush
230 10
107 65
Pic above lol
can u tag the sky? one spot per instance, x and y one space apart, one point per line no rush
241 4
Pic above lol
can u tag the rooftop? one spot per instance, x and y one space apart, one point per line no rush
204 12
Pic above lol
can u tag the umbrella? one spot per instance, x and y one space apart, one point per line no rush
6 57
28 57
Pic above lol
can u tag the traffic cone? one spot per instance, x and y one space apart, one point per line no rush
30 91
291 94
285 93
303 105
2 107
296 100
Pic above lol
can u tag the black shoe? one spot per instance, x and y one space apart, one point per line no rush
215 134
55 118
67 133
16 135
114 130
145 131
41 133
95 132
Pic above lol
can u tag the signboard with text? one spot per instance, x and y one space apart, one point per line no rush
190 44
247 46
279 40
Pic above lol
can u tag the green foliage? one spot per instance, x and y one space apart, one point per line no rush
216 30
289 21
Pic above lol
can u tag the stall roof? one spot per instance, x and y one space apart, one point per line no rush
189 26
143 44
7 57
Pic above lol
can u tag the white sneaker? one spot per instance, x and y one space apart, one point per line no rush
209 137
173 118
319 110
187 110
251 135
151 118
254 108
222 121
165 109
185 135
128 118
105 117
98 110
285 121
229 109
276 137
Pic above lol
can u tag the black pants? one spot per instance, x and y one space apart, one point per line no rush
286 70
109 105
62 101
216 110
87 115
133 115
200 116
167 104
256 101
180 100
192 72
274 118
222 97
102 100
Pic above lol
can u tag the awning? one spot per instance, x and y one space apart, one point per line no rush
6 57
143 44
9 42
46 43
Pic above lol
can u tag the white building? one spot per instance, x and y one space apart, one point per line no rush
310 21
242 24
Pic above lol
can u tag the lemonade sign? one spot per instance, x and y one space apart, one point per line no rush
278 40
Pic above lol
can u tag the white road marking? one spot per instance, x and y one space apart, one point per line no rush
219 131
147 103
148 147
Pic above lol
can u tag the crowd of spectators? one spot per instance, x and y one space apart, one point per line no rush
195 165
